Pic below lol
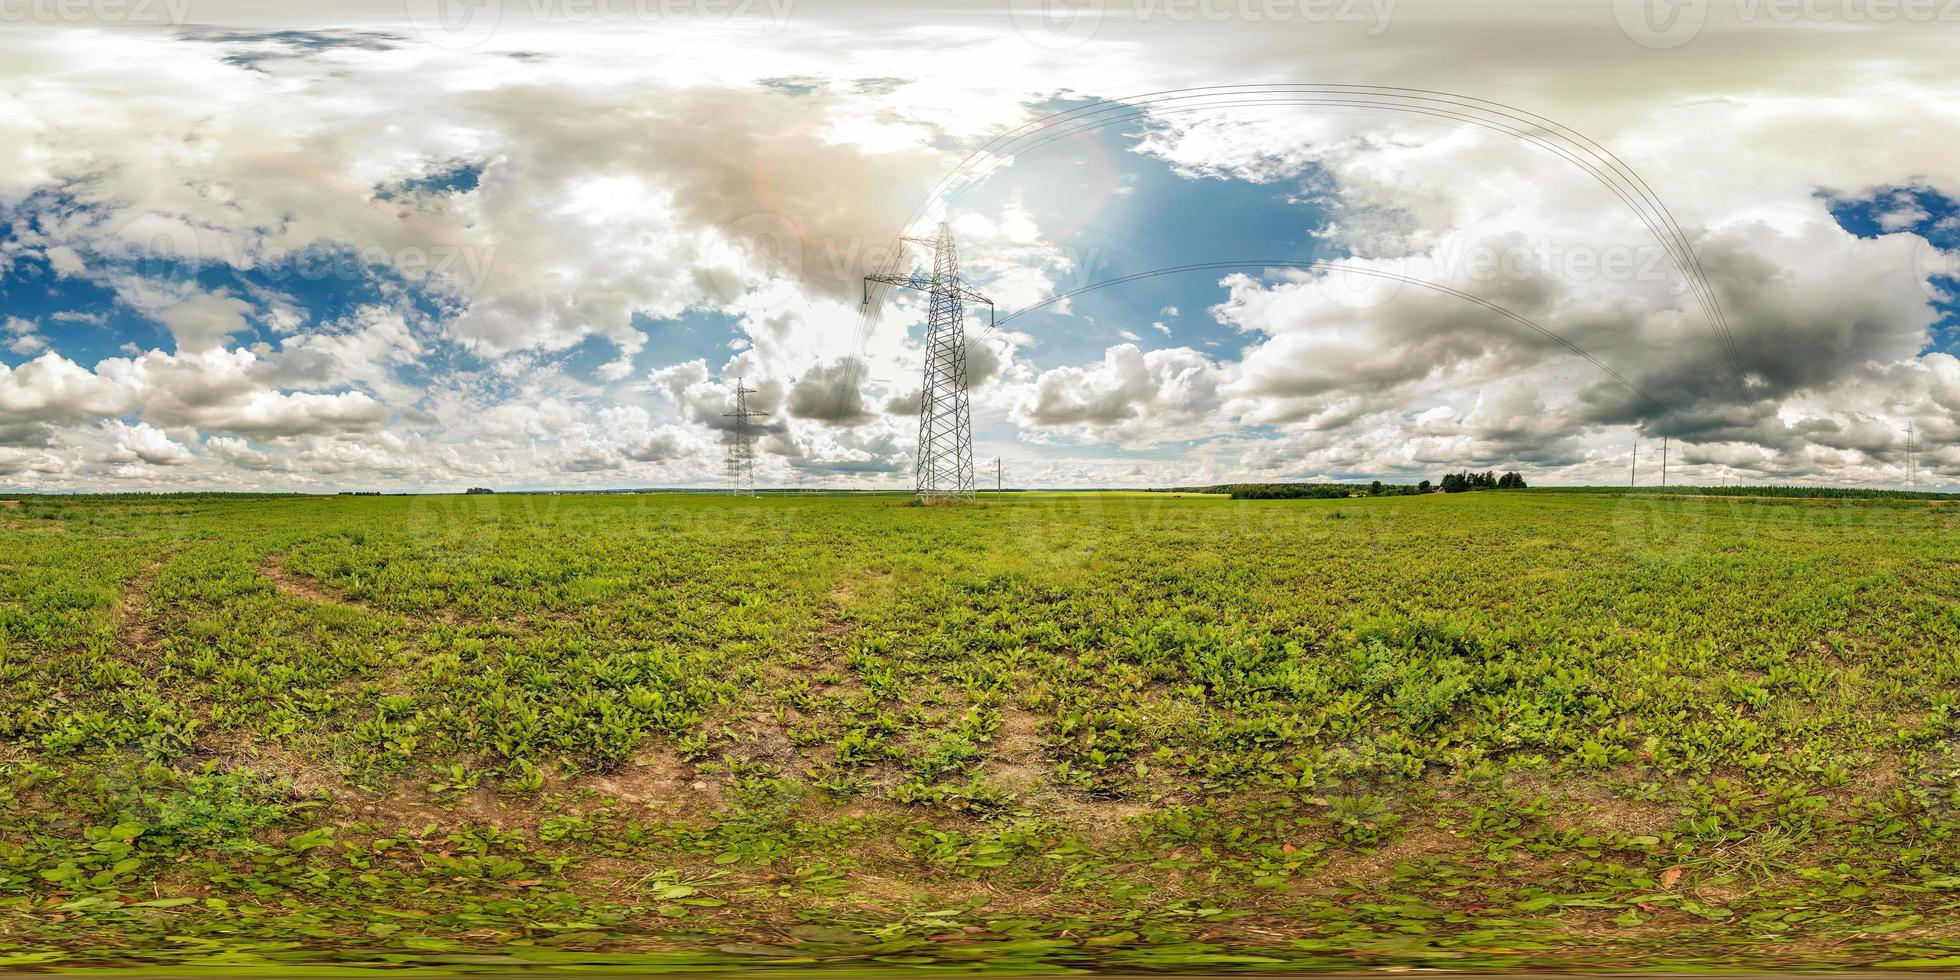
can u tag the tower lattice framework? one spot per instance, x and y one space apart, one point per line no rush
741 451
944 465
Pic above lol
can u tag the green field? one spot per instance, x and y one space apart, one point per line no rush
1132 732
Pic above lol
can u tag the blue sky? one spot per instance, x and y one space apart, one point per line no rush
1918 209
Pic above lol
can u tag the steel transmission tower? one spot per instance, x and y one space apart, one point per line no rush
741 454
1912 462
944 467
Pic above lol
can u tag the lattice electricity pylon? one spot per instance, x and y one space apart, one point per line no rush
944 467
741 454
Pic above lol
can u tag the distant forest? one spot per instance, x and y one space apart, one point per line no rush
1460 482
1451 483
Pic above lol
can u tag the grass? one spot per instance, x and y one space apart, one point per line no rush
1132 732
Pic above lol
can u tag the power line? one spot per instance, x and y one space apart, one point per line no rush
1542 331
1526 127
1523 125
944 466
741 452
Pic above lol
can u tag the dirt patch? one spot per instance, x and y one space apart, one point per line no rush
314 591
831 651
10 504
1018 761
757 737
1882 774
136 631
309 779
299 586
658 780
1589 806
1419 843
410 804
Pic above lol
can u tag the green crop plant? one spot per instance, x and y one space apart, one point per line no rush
1124 731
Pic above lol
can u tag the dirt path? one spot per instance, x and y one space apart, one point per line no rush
312 590
136 629
301 587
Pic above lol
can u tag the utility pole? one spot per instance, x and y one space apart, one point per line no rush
1663 461
944 467
741 454
996 474
1912 462
1633 468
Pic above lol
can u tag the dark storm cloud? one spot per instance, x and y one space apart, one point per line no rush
831 393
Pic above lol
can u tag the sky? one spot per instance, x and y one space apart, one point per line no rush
535 244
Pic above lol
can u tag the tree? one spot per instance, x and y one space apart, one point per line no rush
1424 487
1510 481
1375 489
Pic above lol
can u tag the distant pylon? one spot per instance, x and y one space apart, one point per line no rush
1912 462
741 453
944 467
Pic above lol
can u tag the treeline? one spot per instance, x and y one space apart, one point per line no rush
1292 491
1487 480
1452 483
1799 492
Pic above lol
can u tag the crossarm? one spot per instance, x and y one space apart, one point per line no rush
925 284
